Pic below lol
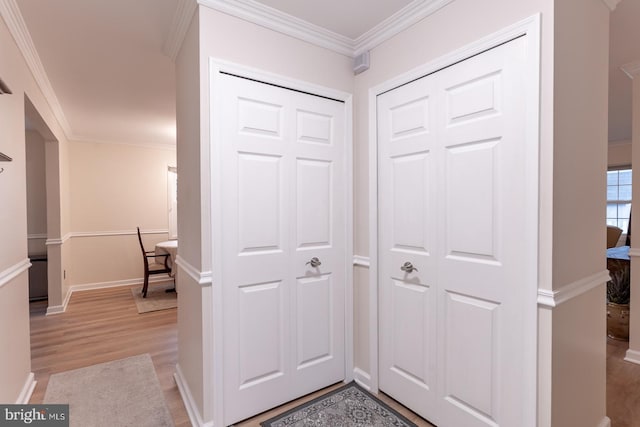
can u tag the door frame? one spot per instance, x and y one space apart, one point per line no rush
212 347
530 29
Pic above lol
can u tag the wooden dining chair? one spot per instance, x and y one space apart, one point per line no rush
151 264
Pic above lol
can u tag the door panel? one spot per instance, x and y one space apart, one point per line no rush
260 324
314 200
314 336
407 356
451 199
283 186
318 232
472 213
260 189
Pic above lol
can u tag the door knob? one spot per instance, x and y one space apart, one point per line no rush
408 267
315 262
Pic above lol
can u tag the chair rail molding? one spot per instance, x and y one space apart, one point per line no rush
553 298
14 271
58 241
117 233
361 261
203 278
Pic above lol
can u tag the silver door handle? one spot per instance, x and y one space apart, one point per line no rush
315 262
408 267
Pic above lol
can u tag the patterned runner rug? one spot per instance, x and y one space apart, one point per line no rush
347 406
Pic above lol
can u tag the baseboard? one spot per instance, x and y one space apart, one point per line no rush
189 402
119 283
27 390
606 422
362 378
632 356
57 309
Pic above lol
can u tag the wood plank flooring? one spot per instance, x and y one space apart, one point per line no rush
100 326
623 386
104 325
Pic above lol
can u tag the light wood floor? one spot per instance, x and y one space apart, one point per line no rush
104 325
623 386
100 326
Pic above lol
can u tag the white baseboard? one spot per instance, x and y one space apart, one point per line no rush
362 378
119 283
632 356
57 309
189 402
27 390
606 422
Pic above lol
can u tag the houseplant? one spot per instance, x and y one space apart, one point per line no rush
618 295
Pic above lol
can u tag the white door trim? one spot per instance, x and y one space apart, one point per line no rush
529 28
213 324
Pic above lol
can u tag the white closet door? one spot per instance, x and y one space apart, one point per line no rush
452 200
406 200
283 204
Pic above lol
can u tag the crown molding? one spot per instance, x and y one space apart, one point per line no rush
268 17
10 12
611 4
179 27
396 23
632 69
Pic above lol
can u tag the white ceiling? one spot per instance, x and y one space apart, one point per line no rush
104 59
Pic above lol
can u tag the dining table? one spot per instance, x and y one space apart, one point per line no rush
169 247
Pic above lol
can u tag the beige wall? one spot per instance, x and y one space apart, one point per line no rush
36 193
619 153
191 301
15 365
113 188
579 197
225 37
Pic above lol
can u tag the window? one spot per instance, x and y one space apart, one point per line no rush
619 198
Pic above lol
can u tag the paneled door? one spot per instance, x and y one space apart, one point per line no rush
452 181
283 244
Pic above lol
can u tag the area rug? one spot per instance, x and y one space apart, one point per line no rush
121 393
347 406
157 298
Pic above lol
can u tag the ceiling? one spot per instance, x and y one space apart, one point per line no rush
105 63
